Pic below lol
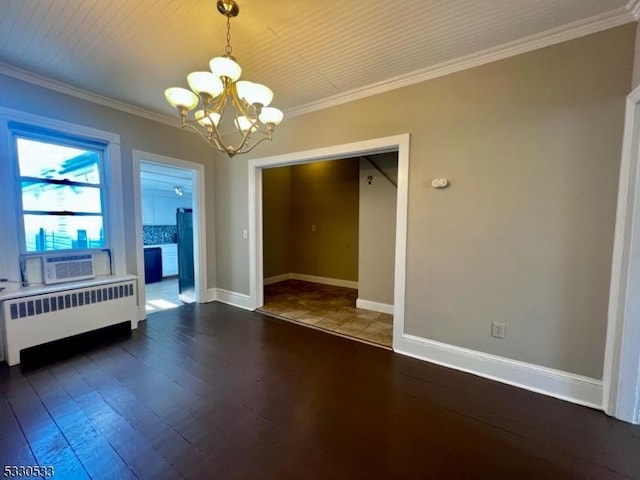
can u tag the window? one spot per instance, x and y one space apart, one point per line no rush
61 190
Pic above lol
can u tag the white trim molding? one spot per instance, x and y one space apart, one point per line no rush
277 278
570 31
199 223
374 306
634 7
399 143
45 82
235 299
336 282
622 352
555 383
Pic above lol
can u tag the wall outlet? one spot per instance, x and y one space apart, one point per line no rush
313 228
497 329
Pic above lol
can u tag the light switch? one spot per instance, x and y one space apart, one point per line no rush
245 233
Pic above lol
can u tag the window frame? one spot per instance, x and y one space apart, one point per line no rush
113 183
27 131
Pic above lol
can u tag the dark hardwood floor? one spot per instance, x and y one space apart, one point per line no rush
214 392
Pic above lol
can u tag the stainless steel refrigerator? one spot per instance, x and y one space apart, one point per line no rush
186 274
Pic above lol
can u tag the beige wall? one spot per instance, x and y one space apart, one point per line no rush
325 194
322 194
531 145
136 133
276 221
377 228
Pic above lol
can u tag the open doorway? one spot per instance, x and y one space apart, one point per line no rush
169 210
329 243
167 235
257 168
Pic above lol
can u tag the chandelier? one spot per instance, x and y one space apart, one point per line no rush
214 93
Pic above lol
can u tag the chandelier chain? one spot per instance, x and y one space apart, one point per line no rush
228 48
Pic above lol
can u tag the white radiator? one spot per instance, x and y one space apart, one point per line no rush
38 319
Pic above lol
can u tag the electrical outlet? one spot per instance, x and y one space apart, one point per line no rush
313 228
498 329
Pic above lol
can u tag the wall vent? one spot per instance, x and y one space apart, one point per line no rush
65 268
53 302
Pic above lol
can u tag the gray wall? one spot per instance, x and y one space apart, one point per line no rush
524 234
136 133
377 227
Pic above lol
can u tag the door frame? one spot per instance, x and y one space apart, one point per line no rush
397 143
199 224
621 379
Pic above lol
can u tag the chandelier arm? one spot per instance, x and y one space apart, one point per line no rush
210 140
245 139
217 104
238 104
219 140
256 144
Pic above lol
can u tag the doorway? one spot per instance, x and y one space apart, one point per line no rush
167 235
170 233
328 245
399 144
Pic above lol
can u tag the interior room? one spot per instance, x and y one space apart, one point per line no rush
492 150
326 225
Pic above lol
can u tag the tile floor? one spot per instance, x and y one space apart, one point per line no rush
327 308
162 295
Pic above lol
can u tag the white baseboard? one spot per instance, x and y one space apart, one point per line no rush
336 282
375 306
233 298
212 295
141 314
555 383
277 278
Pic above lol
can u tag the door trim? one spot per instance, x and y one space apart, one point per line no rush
199 224
621 395
399 143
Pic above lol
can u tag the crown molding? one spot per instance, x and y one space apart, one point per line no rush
41 81
570 31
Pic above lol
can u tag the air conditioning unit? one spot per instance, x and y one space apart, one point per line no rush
67 268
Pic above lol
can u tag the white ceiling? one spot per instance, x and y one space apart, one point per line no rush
307 51
164 178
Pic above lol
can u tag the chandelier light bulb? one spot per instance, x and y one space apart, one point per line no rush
205 82
212 119
271 115
181 97
244 124
225 67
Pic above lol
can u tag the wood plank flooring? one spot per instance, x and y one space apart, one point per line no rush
214 392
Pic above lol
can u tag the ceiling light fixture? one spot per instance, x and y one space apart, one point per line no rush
211 92
179 190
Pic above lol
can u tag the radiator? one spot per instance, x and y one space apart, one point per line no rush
38 319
